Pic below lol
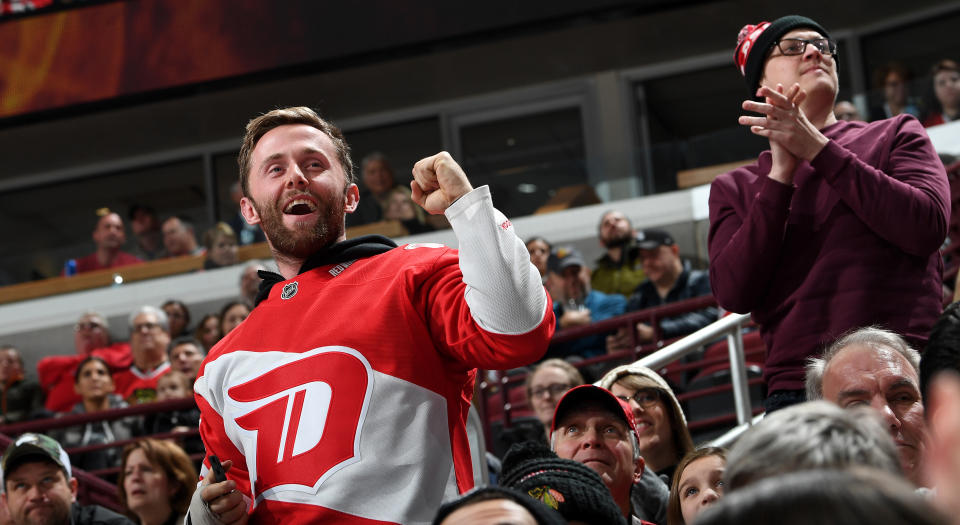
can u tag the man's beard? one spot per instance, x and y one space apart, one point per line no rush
58 512
620 240
302 241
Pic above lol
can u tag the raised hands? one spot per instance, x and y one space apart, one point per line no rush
792 136
437 182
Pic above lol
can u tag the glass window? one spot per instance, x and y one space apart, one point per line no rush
525 159
692 119
916 47
45 226
403 143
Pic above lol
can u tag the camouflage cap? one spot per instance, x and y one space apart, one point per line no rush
31 444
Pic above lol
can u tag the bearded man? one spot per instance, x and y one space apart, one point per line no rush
620 270
343 396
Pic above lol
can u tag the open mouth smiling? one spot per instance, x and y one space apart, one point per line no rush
300 206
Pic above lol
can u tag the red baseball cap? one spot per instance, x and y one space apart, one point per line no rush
577 396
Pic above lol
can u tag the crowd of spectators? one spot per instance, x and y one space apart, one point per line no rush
103 375
937 103
860 424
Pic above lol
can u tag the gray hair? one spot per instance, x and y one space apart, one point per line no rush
811 435
93 313
148 309
871 336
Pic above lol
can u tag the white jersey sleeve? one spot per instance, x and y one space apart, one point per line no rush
504 290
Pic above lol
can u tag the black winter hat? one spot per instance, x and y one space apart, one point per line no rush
571 488
754 41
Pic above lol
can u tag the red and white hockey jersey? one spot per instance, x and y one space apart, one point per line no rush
343 396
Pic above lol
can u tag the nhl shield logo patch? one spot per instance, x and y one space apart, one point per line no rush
289 290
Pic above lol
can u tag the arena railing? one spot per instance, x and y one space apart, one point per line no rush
93 489
655 356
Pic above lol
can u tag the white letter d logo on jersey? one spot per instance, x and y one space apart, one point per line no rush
310 427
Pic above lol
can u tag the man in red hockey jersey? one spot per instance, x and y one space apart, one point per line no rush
343 396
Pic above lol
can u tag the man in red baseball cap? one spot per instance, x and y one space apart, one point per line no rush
593 427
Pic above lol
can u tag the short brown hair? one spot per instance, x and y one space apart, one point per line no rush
944 65
259 127
174 462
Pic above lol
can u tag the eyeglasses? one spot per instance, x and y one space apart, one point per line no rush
645 397
554 390
86 325
797 46
145 326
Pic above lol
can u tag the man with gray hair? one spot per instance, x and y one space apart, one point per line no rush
56 373
149 338
876 368
812 435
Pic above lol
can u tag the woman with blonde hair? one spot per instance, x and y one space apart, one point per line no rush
661 426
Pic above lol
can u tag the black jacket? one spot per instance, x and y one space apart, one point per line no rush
96 515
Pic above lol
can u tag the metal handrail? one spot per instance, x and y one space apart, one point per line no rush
730 326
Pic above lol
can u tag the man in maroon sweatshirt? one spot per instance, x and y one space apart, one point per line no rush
837 226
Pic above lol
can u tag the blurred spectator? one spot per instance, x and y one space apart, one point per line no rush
245 233
109 237
803 239
221 244
593 427
496 505
546 384
661 426
399 207
156 482
946 91
855 497
581 306
807 436
540 252
876 368
250 282
178 315
20 399
669 279
232 314
620 269
96 389
572 488
149 338
39 487
186 354
208 331
845 110
175 385
377 179
91 336
146 229
697 484
179 237
894 80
